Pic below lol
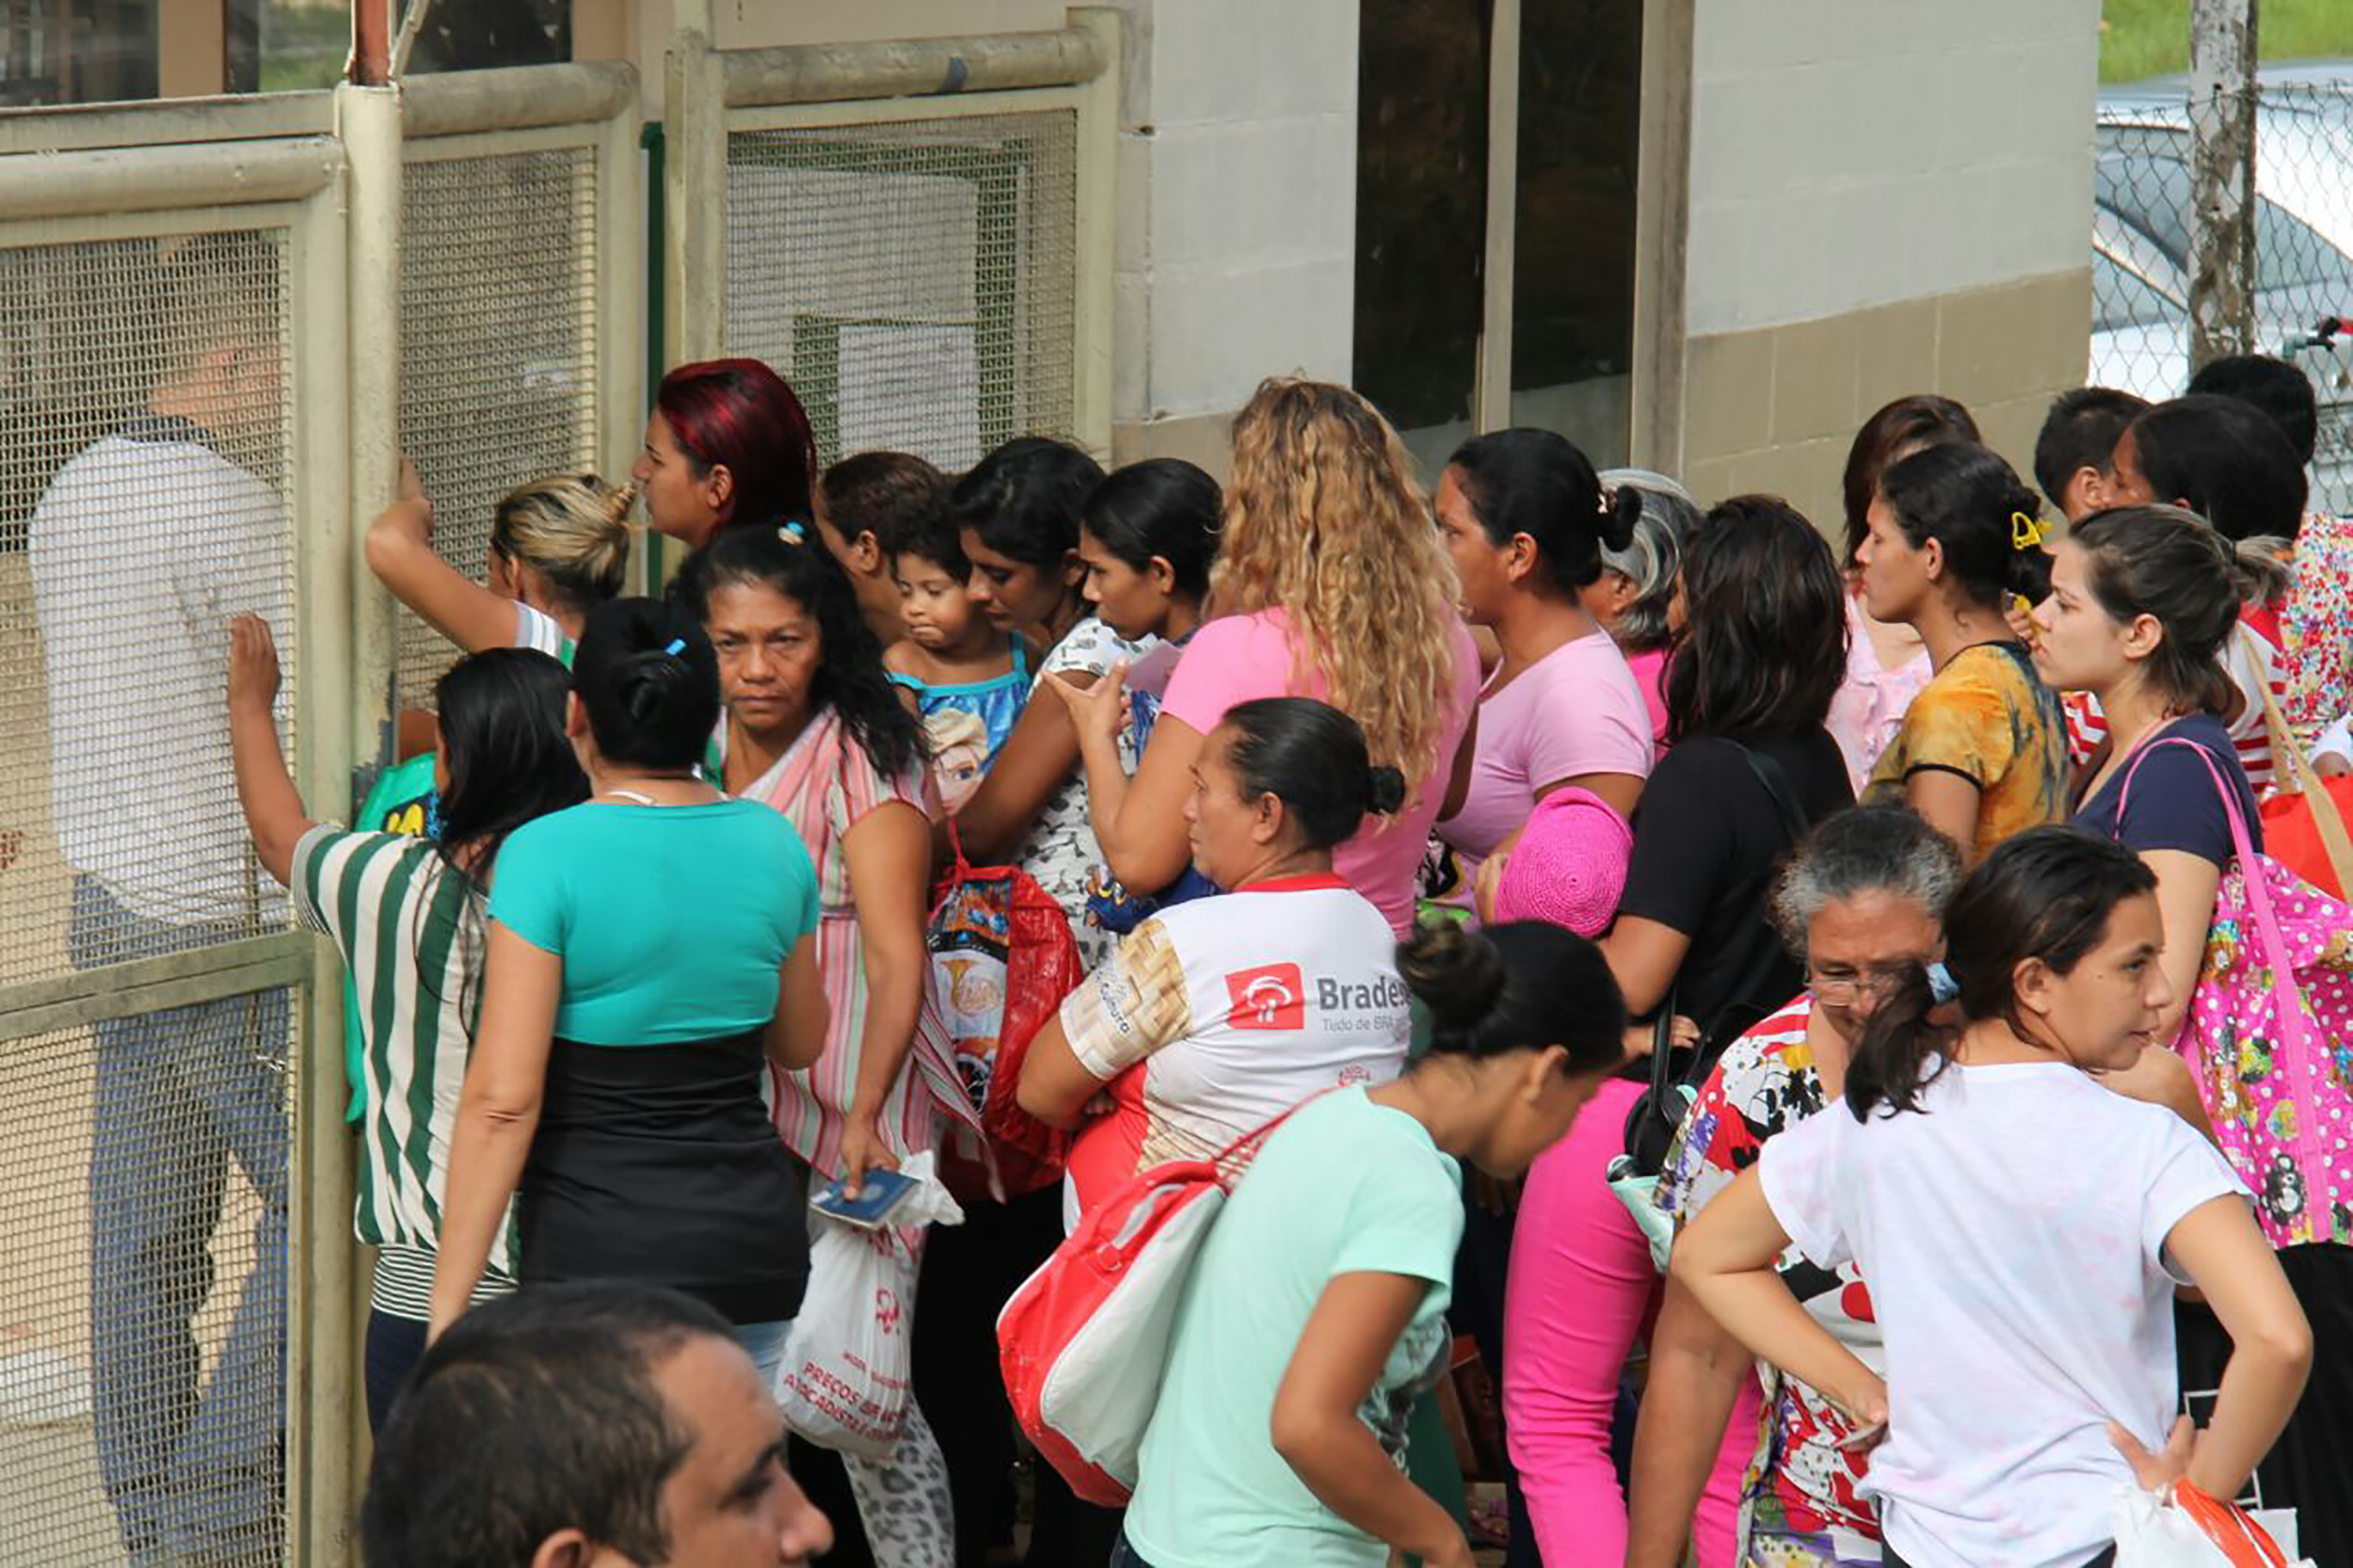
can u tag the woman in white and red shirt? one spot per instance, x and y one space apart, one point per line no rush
1216 1016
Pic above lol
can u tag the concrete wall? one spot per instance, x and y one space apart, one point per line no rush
1883 198
1237 243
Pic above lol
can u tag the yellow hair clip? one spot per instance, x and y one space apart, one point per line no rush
2026 533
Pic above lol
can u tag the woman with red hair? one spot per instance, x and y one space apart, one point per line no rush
728 440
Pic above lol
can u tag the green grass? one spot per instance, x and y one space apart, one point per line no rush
2150 37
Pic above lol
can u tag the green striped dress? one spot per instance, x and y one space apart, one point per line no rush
411 932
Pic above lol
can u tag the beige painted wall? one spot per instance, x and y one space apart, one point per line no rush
1774 409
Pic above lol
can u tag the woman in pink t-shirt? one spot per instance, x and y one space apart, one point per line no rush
1330 584
1526 522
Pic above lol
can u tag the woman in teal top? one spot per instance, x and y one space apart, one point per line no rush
1312 1318
647 949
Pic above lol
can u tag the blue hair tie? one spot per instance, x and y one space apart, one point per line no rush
677 645
1943 987
791 532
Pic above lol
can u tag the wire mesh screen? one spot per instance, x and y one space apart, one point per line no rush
143 434
498 381
913 281
143 1177
2303 238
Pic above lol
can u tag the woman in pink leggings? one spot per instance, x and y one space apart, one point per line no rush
1750 767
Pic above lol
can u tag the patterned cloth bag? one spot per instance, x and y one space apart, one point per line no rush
2269 1033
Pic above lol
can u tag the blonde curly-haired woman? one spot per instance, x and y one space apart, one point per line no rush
1330 583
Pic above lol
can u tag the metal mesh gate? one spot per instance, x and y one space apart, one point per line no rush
499 373
146 397
143 1196
915 281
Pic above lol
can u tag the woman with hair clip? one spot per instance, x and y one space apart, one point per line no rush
407 915
1636 597
2143 603
1328 583
1750 767
1526 521
1315 1312
615 1088
1982 751
2227 462
1279 783
2011 1408
1862 897
1886 661
727 443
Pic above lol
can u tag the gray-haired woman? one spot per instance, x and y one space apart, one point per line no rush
1861 902
1636 597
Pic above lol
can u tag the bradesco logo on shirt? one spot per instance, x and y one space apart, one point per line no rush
1271 996
1274 996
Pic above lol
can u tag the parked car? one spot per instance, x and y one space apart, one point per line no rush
2303 247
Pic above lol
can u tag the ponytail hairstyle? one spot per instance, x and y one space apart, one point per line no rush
1311 757
2047 894
741 414
1521 984
1534 481
649 682
1023 499
502 720
1895 431
1969 500
572 529
1164 508
789 561
2167 563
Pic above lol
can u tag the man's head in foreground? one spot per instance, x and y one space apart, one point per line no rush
576 1425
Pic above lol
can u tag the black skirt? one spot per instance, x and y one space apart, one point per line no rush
658 1164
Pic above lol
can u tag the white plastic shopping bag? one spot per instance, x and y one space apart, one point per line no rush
2189 1530
846 1363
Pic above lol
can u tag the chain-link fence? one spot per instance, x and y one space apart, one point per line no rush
915 281
2303 234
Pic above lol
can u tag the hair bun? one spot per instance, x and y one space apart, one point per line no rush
1621 511
1458 974
1385 789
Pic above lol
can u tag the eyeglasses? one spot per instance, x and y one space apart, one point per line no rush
1845 988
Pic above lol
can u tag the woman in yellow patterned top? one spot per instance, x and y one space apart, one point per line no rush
1982 753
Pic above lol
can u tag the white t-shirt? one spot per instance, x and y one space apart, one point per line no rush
2014 1236
1216 1016
141 549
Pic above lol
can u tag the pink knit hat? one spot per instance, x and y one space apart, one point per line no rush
1569 867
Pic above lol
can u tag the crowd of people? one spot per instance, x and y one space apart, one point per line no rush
1800 945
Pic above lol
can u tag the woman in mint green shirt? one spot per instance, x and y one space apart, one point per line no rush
1312 1319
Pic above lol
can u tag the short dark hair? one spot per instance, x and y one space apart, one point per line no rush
1969 500
649 681
534 1414
1923 418
927 533
2226 461
1023 499
869 492
2281 391
1765 641
2079 433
